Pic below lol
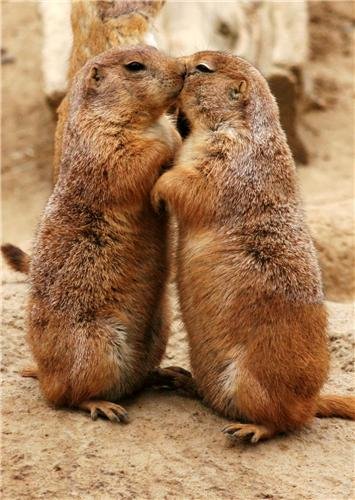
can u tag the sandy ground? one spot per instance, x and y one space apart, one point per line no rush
172 448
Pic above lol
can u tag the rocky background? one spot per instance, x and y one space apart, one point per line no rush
173 448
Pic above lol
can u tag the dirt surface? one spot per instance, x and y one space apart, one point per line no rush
173 448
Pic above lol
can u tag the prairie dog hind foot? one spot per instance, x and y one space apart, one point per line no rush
174 377
248 432
112 411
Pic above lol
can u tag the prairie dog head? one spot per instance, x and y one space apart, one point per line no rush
128 87
222 90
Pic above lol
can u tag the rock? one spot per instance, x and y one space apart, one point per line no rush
332 228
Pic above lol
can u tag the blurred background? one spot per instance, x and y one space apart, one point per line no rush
305 49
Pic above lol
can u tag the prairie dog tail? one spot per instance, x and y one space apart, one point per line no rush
16 258
336 406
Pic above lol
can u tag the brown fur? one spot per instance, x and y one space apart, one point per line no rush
16 258
98 26
248 278
336 406
97 314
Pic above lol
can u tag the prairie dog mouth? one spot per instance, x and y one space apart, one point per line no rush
183 125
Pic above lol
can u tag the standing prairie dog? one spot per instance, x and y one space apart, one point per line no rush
97 320
248 278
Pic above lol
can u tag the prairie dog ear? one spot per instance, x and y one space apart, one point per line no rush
243 86
237 91
95 77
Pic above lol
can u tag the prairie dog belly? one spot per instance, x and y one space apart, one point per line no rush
206 279
209 288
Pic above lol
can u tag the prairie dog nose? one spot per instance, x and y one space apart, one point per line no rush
182 66
182 69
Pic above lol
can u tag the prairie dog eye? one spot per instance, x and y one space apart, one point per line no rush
203 68
135 66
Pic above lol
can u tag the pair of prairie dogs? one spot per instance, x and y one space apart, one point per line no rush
248 279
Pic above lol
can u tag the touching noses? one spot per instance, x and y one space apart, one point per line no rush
183 70
182 66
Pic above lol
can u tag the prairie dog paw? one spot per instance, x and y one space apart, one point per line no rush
156 197
175 377
114 412
247 432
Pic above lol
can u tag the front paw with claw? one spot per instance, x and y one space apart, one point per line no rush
156 196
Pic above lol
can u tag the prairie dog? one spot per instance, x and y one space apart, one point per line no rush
97 318
248 278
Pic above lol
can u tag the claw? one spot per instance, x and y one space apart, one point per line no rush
112 416
124 418
252 432
112 411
